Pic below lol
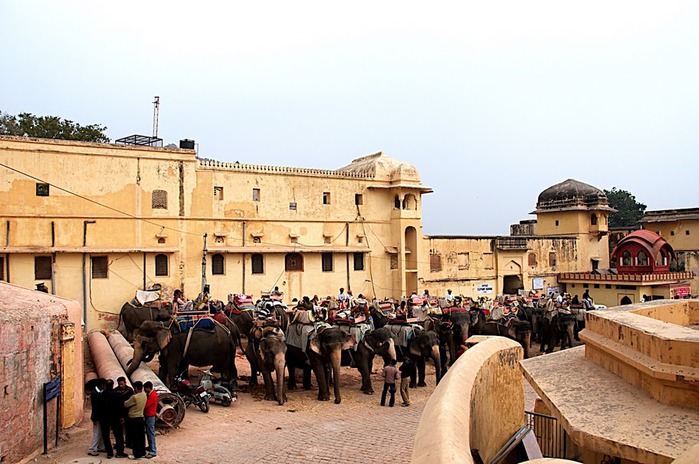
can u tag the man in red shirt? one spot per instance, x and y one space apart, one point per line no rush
149 413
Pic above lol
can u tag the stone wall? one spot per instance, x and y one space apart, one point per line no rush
37 343
479 405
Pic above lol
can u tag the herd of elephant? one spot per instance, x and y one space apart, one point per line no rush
154 330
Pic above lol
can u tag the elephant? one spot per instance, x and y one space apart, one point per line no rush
133 316
423 345
559 327
445 332
462 321
204 348
267 345
378 342
323 354
516 329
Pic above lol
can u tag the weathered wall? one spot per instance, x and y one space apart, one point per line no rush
37 344
479 405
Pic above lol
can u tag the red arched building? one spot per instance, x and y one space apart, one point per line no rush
643 252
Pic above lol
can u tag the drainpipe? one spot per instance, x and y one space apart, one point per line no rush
347 255
7 255
85 223
53 258
144 271
244 256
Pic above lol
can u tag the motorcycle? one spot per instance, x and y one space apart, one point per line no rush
219 393
192 393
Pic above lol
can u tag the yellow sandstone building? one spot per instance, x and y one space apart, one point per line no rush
95 222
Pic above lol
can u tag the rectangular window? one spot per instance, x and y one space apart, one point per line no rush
394 261
552 259
218 193
359 261
672 232
99 267
2 268
292 206
686 232
42 267
258 265
255 194
42 190
161 265
607 286
596 285
326 198
435 263
358 199
327 262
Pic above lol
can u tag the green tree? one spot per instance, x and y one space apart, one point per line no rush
629 211
50 127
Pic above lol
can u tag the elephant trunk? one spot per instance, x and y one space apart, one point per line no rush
570 328
392 349
335 359
279 366
464 333
136 361
437 363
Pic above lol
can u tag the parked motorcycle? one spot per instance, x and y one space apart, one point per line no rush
219 393
192 393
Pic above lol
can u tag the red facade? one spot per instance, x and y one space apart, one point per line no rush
643 252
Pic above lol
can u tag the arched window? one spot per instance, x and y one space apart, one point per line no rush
409 202
258 264
293 262
642 259
159 199
532 259
593 219
662 259
217 264
161 265
626 258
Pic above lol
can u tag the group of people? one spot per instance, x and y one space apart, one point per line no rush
391 374
120 409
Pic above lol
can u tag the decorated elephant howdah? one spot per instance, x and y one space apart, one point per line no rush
213 346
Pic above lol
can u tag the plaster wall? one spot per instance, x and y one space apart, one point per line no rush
37 344
681 235
478 405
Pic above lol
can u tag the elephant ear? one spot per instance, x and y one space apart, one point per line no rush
348 341
314 344
163 338
261 351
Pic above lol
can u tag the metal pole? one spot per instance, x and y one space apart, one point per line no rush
203 266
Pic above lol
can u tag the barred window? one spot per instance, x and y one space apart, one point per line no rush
217 264
258 264
42 267
327 262
394 261
100 267
359 261
159 200
161 265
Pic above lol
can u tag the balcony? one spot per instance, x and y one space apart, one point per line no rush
511 243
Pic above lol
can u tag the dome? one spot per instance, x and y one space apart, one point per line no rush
651 242
572 194
382 167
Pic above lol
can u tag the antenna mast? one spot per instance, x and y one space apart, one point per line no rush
156 115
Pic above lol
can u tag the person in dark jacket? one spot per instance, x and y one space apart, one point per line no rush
96 444
111 421
407 371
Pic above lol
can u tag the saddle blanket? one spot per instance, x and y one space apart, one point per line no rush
147 296
402 334
298 334
203 323
357 330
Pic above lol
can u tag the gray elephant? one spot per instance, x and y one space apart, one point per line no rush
421 347
211 347
324 355
267 346
516 329
133 315
561 327
377 342
444 329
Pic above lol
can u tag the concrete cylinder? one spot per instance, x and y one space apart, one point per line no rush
106 363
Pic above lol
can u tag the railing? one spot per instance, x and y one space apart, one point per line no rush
549 434
511 243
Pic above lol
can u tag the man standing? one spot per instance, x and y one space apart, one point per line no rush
149 412
407 371
134 422
122 393
390 375
97 444
114 406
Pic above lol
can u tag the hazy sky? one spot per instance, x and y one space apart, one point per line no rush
491 101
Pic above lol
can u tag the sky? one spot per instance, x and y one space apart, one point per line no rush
492 102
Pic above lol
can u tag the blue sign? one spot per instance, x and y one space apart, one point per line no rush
52 389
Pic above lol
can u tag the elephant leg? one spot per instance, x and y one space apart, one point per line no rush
364 366
570 334
252 359
269 384
291 383
420 363
307 378
443 359
319 370
335 360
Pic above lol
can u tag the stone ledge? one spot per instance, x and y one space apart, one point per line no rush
627 422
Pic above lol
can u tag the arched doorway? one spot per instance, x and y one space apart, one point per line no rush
625 301
511 284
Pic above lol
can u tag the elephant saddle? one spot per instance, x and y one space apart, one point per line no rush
188 322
